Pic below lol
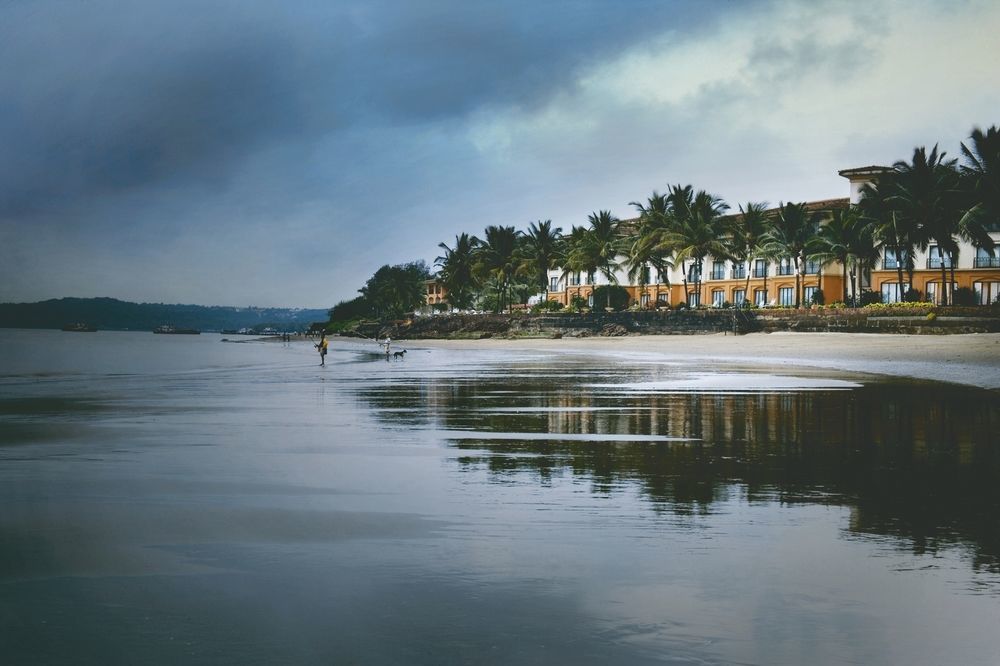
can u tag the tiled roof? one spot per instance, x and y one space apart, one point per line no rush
864 171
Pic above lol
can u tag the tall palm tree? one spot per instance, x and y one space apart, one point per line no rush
748 231
982 176
698 230
458 270
598 248
924 196
789 237
848 238
896 233
981 187
832 243
496 259
540 248
641 245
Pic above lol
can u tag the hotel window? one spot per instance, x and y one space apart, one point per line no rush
718 270
694 273
644 300
694 299
786 267
553 284
718 298
786 296
739 295
760 268
590 300
932 291
935 260
893 259
987 293
987 258
812 267
662 299
644 278
760 297
891 292
807 294
574 279
739 271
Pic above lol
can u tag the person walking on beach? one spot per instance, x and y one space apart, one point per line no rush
321 346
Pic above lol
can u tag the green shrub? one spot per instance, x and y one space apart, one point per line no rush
619 297
963 296
547 306
577 303
868 297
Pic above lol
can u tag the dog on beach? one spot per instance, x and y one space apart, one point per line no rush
398 354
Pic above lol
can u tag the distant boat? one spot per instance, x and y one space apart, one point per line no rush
79 328
173 330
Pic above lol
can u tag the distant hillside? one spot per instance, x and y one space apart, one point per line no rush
110 313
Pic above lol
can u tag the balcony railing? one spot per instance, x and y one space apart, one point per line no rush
739 274
987 262
718 274
937 262
760 272
811 268
786 270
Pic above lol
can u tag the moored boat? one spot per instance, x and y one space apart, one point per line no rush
79 327
173 330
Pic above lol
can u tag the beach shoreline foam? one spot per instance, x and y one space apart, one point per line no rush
972 359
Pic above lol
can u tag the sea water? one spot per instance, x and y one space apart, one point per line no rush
185 499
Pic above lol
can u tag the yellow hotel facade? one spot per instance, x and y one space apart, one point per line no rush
772 283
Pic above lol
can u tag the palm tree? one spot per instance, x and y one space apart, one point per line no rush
849 238
598 247
641 251
539 250
895 233
458 270
748 232
496 259
789 237
982 175
833 240
981 186
698 230
924 196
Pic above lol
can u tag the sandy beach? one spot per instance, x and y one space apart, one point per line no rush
964 359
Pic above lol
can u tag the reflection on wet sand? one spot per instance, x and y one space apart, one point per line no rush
918 462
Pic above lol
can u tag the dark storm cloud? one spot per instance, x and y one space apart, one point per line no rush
107 97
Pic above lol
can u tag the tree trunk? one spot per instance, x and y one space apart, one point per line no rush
899 274
843 264
746 290
798 299
944 277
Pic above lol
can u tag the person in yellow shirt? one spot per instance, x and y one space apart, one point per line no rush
322 346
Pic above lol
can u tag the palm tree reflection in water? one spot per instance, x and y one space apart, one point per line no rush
914 461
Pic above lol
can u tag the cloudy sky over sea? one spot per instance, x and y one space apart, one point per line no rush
277 153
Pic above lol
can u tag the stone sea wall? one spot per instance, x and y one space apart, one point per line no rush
468 326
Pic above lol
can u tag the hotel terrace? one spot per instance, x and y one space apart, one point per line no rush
772 283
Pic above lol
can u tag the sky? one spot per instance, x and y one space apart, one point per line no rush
279 153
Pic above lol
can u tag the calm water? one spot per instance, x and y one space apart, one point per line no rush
176 499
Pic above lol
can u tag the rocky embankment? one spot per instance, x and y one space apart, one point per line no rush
683 322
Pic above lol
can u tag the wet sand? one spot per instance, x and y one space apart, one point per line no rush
973 359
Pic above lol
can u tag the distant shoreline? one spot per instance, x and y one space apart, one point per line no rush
971 359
